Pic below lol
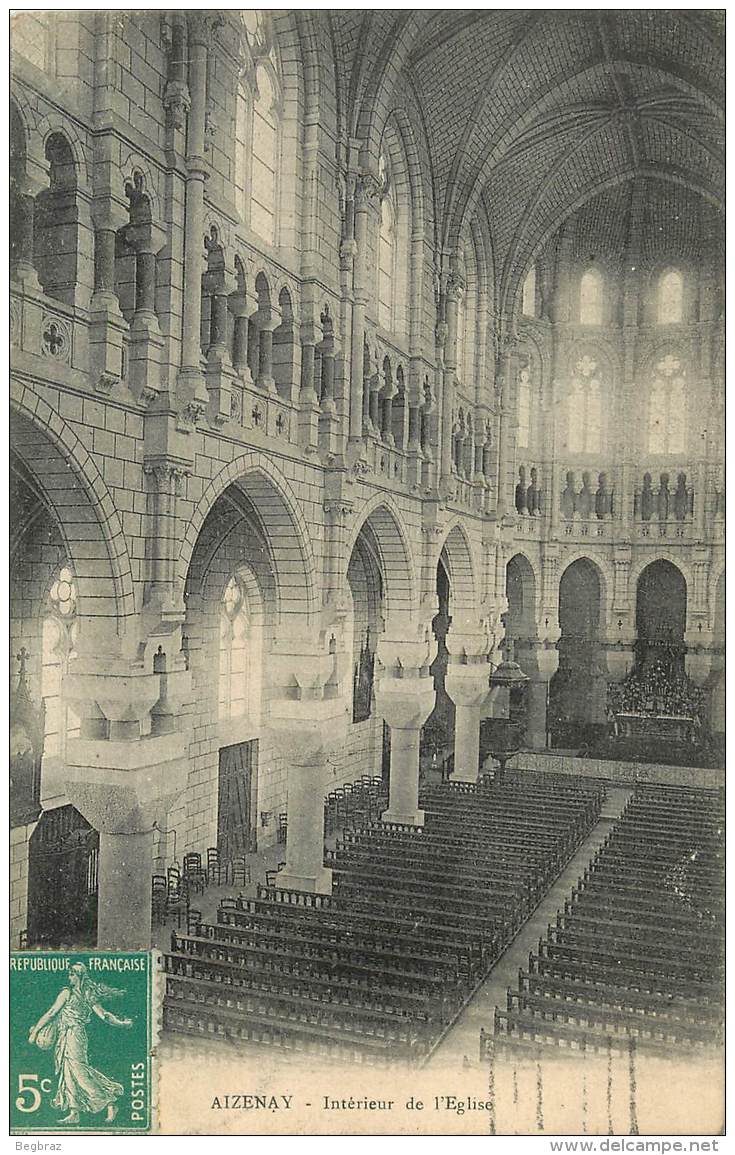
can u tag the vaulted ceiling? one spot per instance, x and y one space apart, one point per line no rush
529 114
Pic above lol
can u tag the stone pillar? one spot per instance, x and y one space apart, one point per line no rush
146 339
386 416
193 396
505 436
145 281
449 334
404 697
539 660
124 903
305 869
266 324
467 684
365 188
241 311
125 783
22 267
311 336
167 474
375 387
367 423
309 726
536 719
104 259
108 328
327 399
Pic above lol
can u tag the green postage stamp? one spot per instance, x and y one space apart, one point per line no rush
81 1041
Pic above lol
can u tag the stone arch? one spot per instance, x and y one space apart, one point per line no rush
376 102
578 688
135 163
586 564
603 574
53 124
222 538
661 620
80 501
456 556
521 590
396 561
263 290
283 526
640 564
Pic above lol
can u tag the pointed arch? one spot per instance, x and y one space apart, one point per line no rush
456 555
282 524
394 554
74 490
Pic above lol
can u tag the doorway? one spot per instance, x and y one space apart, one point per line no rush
237 805
62 880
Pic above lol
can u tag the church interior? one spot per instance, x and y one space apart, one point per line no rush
367 523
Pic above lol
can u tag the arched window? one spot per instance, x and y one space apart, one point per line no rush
392 239
233 651
524 408
386 263
58 634
590 298
584 418
667 408
670 298
529 293
264 186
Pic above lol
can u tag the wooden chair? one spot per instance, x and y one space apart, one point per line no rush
194 873
214 866
239 871
159 896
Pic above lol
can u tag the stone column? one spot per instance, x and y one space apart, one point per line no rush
375 386
124 903
536 719
241 310
305 870
266 322
108 327
505 436
309 727
539 659
311 335
327 401
386 416
125 783
22 267
449 335
467 684
168 475
404 697
193 396
146 339
365 188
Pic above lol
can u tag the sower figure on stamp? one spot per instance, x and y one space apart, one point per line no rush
63 1027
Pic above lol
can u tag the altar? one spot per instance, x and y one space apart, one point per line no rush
663 727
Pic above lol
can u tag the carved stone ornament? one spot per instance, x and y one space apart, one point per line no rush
56 338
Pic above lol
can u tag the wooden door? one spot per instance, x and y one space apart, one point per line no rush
238 776
62 880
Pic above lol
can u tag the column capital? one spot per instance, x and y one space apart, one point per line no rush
404 703
308 733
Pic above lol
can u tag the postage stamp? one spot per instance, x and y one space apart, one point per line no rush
81 1035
